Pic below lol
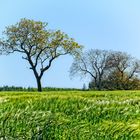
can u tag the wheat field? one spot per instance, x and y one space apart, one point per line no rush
70 115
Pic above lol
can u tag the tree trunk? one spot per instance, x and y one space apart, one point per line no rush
38 80
99 84
39 87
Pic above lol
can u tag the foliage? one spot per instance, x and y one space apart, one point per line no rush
116 81
72 115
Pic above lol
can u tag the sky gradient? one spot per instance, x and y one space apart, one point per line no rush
97 24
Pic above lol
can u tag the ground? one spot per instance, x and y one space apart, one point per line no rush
70 115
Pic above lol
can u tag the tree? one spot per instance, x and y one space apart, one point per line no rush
123 74
84 87
38 45
126 70
94 63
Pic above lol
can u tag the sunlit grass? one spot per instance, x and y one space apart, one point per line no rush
74 115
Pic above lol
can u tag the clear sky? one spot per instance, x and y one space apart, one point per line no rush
97 24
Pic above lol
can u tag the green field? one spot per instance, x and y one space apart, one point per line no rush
70 115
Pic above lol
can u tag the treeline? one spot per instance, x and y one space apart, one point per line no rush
32 89
108 70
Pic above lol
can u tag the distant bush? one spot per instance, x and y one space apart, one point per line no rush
32 89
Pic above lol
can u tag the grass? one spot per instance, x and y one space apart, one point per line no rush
70 115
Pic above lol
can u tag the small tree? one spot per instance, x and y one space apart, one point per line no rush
84 87
38 45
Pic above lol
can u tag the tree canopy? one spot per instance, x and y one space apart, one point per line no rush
38 45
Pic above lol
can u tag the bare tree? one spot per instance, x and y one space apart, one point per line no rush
121 61
124 73
38 45
94 63
126 68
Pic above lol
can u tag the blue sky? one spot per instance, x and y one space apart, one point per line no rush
101 24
